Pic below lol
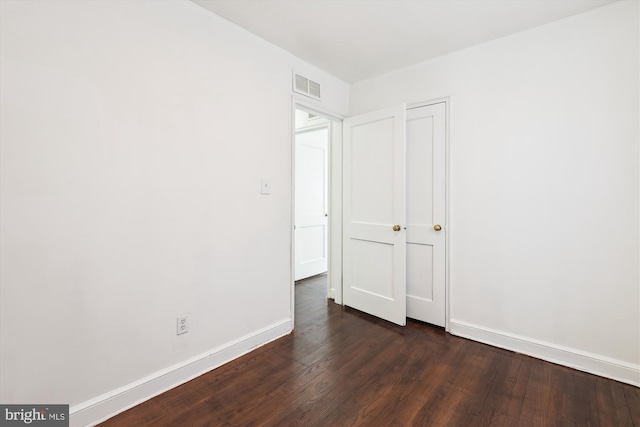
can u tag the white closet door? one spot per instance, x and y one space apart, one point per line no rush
426 264
374 214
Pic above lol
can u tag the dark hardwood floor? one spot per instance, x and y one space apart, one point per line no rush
344 368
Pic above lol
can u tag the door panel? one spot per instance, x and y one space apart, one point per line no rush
379 281
419 273
426 160
374 200
372 174
419 168
311 185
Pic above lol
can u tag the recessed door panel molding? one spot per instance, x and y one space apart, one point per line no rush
419 272
310 253
420 158
371 176
379 281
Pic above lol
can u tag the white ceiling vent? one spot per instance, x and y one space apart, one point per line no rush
306 87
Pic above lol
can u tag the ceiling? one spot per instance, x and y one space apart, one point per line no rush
358 39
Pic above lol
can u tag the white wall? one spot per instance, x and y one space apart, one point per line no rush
544 213
131 193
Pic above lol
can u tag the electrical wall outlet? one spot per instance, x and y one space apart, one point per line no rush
183 324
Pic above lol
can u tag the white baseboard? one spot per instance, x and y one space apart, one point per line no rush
580 360
99 409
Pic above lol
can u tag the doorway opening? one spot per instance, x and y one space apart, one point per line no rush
317 199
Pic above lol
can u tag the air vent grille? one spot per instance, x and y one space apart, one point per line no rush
314 89
306 87
302 84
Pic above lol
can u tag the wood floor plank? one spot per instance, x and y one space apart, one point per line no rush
341 367
632 397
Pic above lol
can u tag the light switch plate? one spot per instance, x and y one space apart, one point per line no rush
265 186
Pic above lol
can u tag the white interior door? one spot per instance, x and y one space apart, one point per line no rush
426 213
311 202
374 241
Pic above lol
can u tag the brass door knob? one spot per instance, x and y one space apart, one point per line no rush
396 228
437 227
